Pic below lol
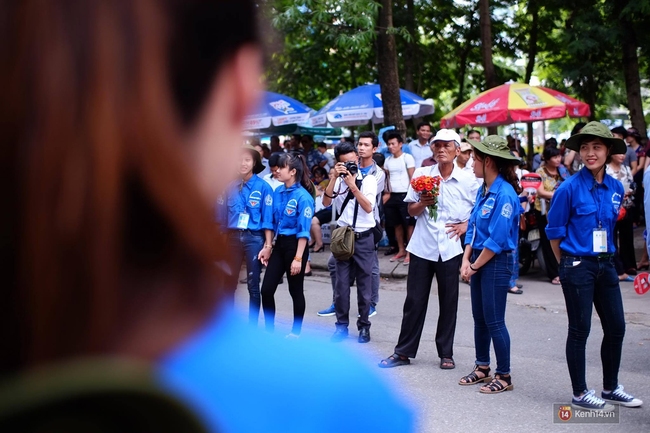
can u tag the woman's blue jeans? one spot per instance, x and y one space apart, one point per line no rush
246 245
489 289
515 270
588 281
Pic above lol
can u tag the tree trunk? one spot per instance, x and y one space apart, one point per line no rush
533 10
530 151
410 54
532 54
485 24
387 69
590 97
462 72
632 80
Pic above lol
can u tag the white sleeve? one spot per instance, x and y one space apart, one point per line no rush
369 189
410 161
381 180
411 195
338 200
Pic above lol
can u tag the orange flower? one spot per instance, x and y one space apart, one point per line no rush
429 185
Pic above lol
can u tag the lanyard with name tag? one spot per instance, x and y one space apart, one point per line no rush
242 221
599 240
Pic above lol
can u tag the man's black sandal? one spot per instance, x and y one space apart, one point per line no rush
393 361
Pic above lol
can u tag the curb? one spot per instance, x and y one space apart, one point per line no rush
395 273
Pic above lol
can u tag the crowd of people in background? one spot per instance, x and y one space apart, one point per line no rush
474 236
398 160
117 170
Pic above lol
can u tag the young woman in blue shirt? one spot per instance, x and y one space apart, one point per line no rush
580 228
490 259
250 223
293 209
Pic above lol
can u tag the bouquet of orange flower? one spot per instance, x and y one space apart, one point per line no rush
428 185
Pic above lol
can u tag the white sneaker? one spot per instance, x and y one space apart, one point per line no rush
621 397
590 401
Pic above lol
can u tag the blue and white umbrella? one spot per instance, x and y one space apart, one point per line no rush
363 104
276 109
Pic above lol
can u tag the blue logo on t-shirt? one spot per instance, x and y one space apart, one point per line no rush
255 198
291 207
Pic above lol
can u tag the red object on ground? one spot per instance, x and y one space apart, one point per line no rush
641 283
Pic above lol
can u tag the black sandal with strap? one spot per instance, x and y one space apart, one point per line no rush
473 378
393 361
496 386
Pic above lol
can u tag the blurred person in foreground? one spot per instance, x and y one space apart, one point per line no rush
115 120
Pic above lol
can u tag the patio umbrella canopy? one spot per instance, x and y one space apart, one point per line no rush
276 109
514 102
363 104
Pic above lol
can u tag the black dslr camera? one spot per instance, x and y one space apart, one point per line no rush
351 167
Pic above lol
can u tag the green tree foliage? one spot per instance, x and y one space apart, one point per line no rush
329 46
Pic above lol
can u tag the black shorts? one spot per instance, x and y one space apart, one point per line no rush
324 215
396 210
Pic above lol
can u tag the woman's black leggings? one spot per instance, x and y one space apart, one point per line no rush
280 262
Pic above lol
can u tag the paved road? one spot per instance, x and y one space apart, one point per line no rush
537 324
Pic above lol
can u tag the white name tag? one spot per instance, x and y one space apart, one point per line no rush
242 221
600 240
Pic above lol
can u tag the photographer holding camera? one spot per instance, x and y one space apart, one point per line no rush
354 196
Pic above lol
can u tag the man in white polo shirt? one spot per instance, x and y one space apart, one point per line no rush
436 250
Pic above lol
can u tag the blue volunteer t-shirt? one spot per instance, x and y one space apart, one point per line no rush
239 379
254 198
494 223
365 170
579 206
293 209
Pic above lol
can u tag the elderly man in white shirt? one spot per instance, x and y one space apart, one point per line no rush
436 250
420 148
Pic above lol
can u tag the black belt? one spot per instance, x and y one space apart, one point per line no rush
255 232
361 235
601 256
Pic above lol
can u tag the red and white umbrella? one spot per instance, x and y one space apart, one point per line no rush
512 103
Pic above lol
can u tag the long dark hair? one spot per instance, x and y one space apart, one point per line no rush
104 222
296 161
505 167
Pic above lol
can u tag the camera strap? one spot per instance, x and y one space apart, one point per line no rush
349 197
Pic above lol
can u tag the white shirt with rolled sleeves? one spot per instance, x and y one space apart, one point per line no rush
469 169
430 240
420 152
365 220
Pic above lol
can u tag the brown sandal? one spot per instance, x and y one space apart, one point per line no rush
473 378
496 385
